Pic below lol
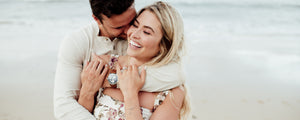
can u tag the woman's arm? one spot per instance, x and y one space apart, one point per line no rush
91 80
132 107
170 108
130 82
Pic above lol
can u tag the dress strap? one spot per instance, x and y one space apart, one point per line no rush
160 98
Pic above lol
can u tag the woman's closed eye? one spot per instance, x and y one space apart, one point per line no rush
147 33
135 24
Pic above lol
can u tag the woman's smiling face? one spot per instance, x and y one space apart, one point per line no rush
144 36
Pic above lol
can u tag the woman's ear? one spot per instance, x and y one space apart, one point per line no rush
161 49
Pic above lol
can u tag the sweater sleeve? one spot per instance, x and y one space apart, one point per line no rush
163 77
67 79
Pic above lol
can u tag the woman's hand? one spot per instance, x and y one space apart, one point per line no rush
129 80
130 83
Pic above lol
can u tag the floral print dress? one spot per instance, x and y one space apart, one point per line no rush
108 108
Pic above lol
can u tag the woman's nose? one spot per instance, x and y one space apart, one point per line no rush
136 34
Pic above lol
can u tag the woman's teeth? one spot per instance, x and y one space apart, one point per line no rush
134 44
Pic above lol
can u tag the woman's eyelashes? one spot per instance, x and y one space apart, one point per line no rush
148 33
135 25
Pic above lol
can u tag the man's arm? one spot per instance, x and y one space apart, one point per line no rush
67 79
164 77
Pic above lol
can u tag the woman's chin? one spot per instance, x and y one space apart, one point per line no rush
131 53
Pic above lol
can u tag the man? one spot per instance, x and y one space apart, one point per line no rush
112 18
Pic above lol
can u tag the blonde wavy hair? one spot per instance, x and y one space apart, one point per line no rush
172 42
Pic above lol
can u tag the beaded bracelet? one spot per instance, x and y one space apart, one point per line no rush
113 60
112 77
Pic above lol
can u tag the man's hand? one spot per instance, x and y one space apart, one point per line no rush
93 75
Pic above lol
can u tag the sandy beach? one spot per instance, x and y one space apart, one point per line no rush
243 60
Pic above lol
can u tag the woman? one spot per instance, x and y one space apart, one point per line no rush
154 39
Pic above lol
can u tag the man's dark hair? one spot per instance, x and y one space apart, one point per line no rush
109 7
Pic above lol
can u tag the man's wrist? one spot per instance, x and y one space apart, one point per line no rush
87 100
88 89
87 92
86 95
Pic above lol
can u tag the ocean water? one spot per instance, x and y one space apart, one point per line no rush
242 62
